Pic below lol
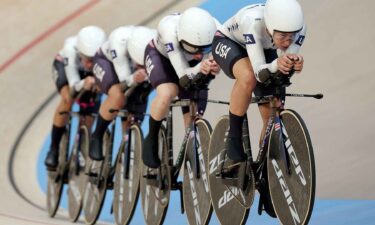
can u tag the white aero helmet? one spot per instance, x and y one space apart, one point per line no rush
89 39
283 15
121 34
138 41
196 28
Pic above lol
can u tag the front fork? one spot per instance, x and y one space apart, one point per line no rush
282 138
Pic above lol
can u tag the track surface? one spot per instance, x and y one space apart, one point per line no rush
337 51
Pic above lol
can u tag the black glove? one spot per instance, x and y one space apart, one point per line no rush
201 81
185 82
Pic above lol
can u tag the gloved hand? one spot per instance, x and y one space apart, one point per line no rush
185 82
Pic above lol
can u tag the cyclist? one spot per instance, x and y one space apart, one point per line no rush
120 60
72 73
181 50
259 39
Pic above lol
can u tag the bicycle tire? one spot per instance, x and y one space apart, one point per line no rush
153 199
76 176
126 191
224 198
196 193
292 194
55 183
95 192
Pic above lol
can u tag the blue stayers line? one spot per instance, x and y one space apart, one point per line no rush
326 212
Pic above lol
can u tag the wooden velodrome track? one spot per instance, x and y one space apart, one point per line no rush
338 53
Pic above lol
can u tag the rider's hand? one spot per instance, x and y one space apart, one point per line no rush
215 68
140 75
89 83
298 63
185 82
205 66
285 64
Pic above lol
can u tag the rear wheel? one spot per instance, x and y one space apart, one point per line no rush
154 199
230 203
292 190
77 178
96 187
126 185
56 178
197 199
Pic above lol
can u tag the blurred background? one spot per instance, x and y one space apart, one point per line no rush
338 63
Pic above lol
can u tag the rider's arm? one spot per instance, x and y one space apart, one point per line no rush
70 61
298 41
178 60
252 34
119 54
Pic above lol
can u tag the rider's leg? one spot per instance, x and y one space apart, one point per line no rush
239 103
165 93
58 127
115 100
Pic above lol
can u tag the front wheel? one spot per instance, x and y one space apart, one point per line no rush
56 178
155 200
96 186
291 170
127 176
77 178
197 199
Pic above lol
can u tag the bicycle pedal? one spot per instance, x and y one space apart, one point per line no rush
150 176
230 181
65 179
228 173
54 176
110 185
152 182
177 186
51 169
94 179
91 174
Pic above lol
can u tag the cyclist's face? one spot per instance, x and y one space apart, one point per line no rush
86 62
283 40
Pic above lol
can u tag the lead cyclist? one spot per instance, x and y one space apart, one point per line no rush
259 39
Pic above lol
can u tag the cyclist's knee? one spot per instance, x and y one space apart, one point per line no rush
118 98
247 80
166 95
66 102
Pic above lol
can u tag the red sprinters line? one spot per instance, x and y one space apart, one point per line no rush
47 33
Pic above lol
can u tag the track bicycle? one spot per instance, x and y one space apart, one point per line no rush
122 176
283 173
156 184
69 169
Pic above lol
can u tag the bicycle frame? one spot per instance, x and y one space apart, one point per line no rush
169 125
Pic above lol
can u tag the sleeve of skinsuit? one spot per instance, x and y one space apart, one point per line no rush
298 41
168 32
69 53
119 53
252 28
